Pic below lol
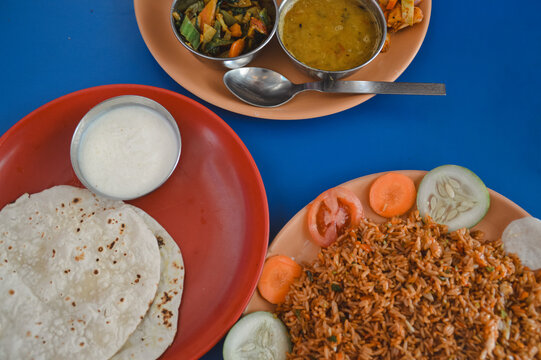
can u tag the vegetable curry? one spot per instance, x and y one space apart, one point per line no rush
330 35
222 28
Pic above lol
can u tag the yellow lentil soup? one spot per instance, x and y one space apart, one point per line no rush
330 35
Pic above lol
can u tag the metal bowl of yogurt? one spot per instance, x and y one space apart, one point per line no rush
125 147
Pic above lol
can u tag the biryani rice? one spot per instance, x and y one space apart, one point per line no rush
408 289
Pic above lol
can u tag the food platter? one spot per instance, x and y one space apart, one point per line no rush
214 204
294 239
206 82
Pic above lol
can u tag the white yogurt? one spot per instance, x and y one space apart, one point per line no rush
128 151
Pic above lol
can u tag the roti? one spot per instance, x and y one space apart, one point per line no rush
77 275
159 326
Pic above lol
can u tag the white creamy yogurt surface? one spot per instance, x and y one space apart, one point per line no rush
127 151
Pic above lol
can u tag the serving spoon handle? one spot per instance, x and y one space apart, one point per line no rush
373 87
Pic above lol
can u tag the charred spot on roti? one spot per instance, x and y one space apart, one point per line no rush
75 200
167 315
28 333
96 271
109 221
11 292
165 299
67 271
78 229
73 304
54 252
160 241
81 344
100 249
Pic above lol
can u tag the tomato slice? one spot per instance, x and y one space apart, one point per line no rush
332 213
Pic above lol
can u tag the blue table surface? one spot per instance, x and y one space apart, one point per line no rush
487 53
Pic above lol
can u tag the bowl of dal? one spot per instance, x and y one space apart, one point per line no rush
331 39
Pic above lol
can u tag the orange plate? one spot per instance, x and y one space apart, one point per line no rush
294 239
214 205
206 82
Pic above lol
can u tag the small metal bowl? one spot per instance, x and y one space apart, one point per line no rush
100 109
371 5
229 63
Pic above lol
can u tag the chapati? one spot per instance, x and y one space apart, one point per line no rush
159 326
77 275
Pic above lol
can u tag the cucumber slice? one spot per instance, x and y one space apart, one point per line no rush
259 335
454 196
523 237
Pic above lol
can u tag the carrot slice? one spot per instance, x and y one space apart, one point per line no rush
391 4
236 48
278 274
206 16
392 194
235 30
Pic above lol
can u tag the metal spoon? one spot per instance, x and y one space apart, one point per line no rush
267 88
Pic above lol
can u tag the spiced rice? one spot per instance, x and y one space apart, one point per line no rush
407 289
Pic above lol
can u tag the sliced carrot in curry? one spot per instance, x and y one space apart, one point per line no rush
236 48
206 16
278 274
235 29
391 4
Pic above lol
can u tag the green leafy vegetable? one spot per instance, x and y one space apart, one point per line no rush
188 30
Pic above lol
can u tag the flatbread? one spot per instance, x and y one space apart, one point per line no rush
77 275
157 330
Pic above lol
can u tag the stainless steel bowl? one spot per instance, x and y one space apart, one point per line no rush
100 109
229 63
371 5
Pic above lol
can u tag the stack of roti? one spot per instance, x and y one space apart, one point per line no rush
84 277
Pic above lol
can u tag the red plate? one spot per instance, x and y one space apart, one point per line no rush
214 205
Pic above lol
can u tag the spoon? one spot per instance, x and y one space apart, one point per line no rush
267 88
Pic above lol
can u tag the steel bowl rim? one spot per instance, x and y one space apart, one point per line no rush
95 112
217 59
